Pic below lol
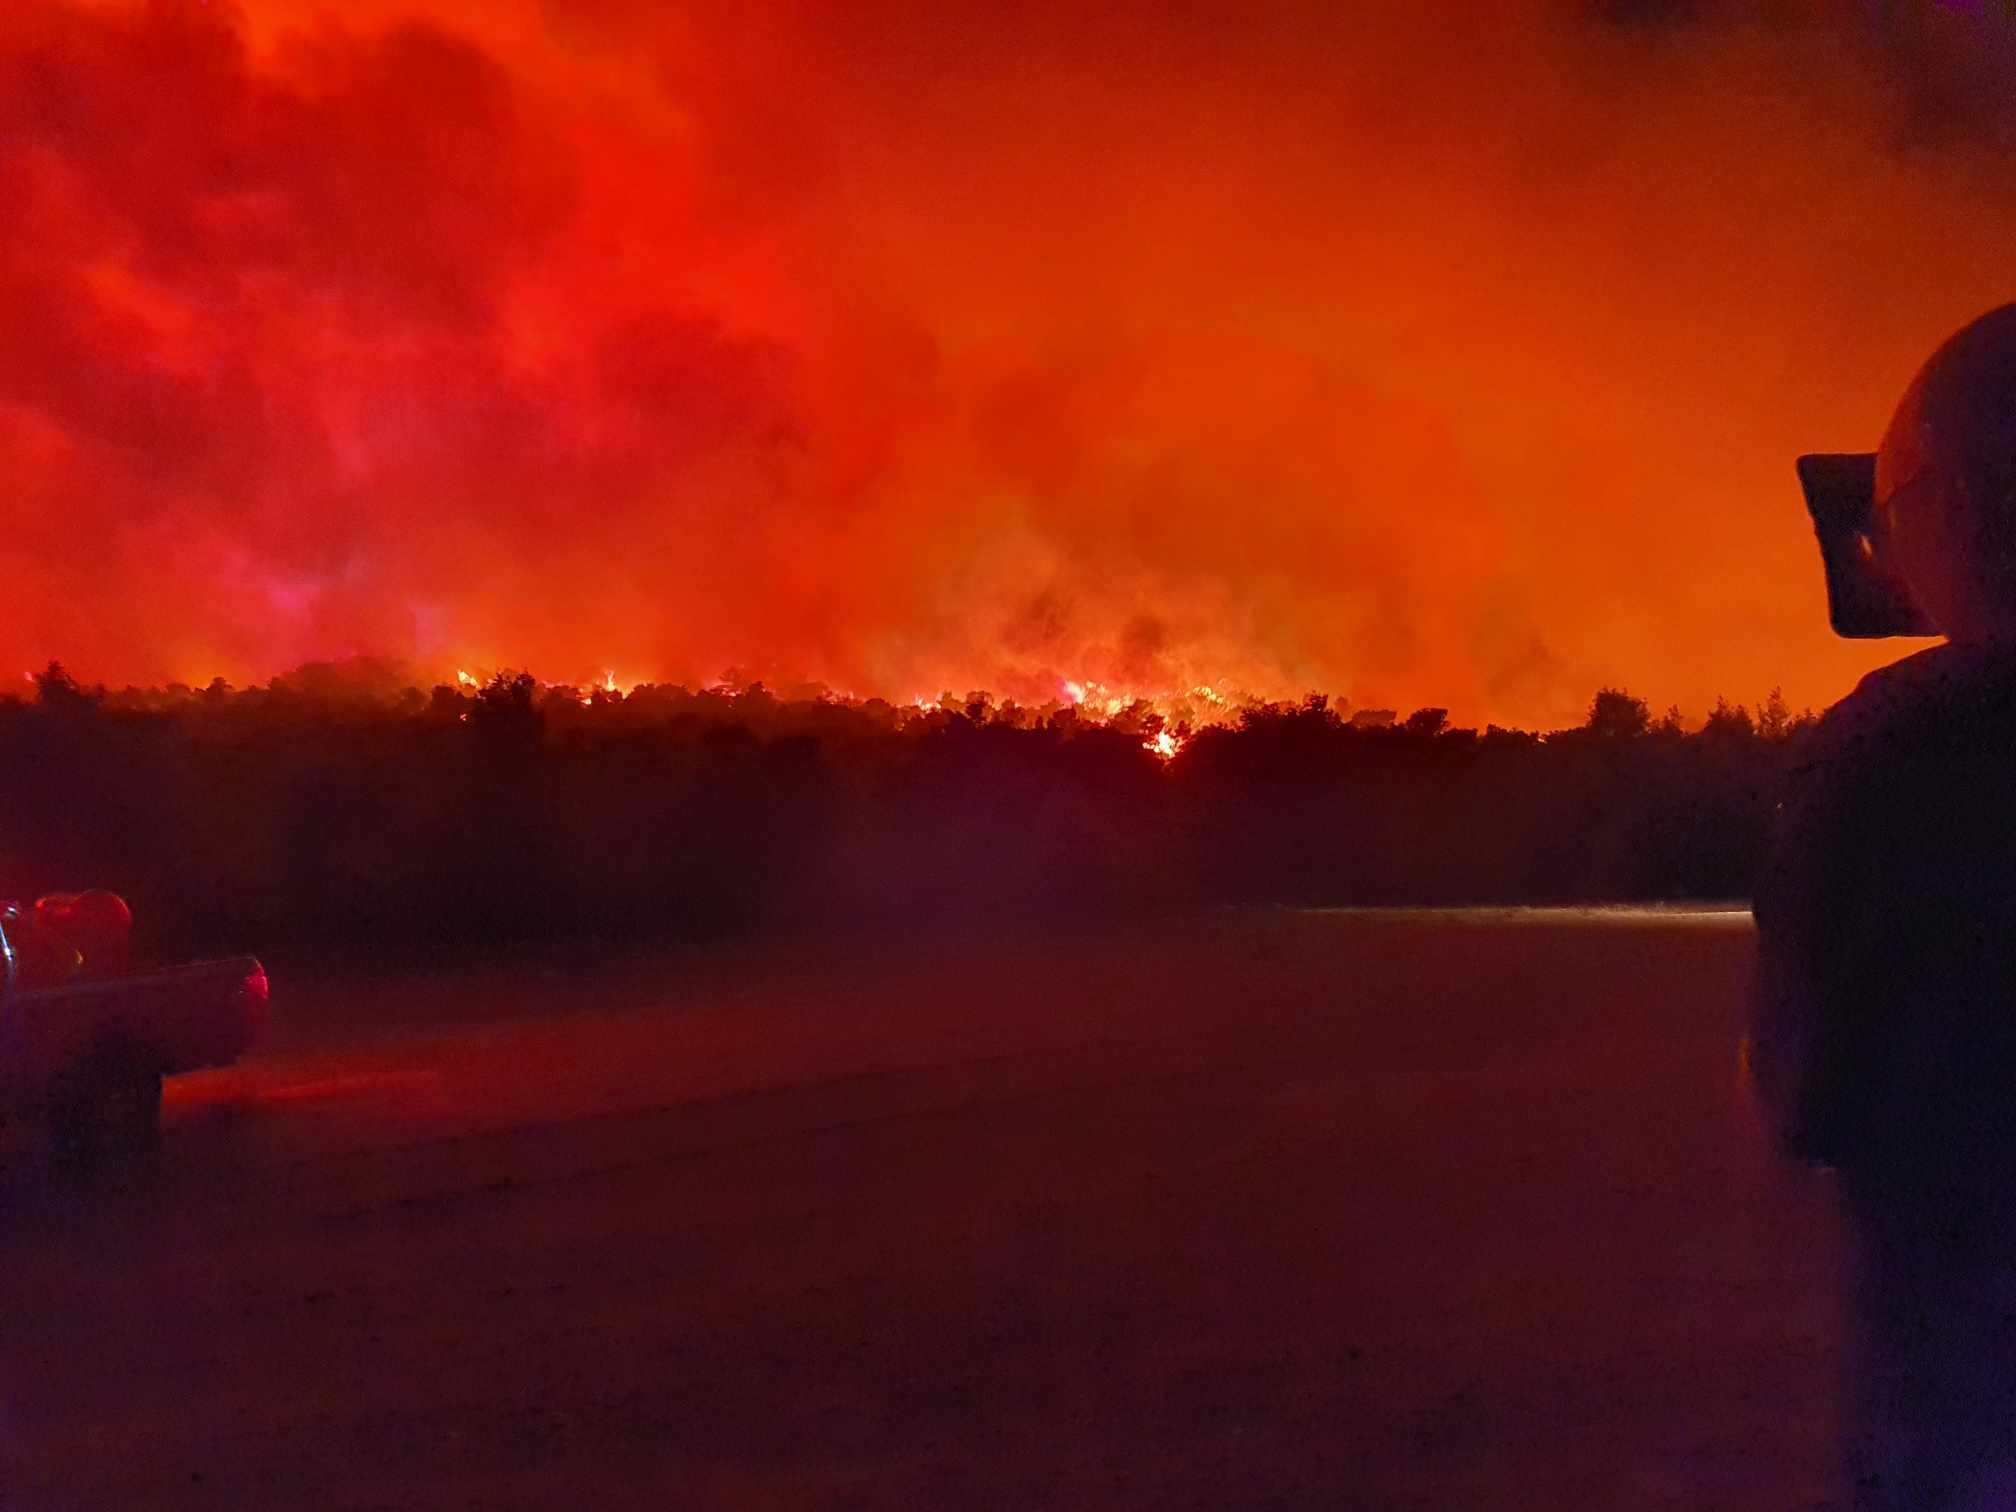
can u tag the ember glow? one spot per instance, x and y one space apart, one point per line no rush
1423 355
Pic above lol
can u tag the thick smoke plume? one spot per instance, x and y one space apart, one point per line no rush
1417 353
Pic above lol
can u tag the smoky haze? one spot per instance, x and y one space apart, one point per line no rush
1420 354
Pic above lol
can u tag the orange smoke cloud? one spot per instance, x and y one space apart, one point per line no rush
1417 355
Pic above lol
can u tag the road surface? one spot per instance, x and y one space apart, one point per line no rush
1257 1210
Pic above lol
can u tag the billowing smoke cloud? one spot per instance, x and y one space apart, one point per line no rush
1416 354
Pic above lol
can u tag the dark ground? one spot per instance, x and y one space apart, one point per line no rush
1262 1210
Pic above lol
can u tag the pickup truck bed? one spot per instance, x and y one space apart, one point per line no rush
86 1057
180 1019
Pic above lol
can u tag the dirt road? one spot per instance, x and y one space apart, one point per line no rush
1244 1211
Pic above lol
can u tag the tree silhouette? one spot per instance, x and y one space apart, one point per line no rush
506 712
57 690
1615 715
1729 721
1774 716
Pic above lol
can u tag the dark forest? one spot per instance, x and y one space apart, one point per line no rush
328 811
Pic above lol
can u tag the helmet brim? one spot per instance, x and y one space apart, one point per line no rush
1867 597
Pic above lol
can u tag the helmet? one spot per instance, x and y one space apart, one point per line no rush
1920 537
1945 486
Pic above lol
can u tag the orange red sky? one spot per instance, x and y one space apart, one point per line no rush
1450 355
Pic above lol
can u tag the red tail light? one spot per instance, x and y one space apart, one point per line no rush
255 992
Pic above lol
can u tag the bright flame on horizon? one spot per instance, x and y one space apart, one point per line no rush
1178 707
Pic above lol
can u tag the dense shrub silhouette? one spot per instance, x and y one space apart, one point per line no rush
325 810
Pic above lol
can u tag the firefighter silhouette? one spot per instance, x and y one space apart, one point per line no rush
1883 1034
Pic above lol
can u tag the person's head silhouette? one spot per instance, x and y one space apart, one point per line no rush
1945 482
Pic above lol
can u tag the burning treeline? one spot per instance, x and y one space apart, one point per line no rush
301 814
1377 346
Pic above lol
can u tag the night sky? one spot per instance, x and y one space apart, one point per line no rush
1425 354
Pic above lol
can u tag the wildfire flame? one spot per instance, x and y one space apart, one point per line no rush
1177 708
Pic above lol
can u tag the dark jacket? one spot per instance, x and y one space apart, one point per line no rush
1883 1034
